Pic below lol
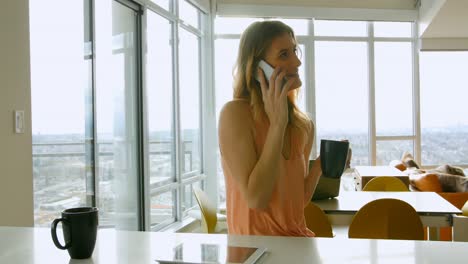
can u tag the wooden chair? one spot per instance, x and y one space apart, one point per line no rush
317 221
385 184
209 216
465 209
387 219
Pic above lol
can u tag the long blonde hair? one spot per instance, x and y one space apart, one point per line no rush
254 43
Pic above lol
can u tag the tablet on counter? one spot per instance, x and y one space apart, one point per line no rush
211 254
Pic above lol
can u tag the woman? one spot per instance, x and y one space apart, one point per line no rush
265 140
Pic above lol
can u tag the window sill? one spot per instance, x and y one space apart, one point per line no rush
187 225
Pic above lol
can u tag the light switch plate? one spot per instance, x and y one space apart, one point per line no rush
19 121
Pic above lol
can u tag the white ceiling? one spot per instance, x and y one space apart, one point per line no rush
450 22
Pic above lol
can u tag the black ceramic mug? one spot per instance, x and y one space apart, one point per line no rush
79 227
333 155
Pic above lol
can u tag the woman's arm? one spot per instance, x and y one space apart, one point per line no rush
313 174
256 178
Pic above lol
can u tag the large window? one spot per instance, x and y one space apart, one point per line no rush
160 107
342 103
174 90
444 116
393 100
117 110
371 103
224 63
118 169
118 97
60 81
189 68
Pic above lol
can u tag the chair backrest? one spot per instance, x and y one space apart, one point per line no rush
317 221
465 209
208 210
385 184
387 219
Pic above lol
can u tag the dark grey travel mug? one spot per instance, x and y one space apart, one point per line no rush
79 227
333 156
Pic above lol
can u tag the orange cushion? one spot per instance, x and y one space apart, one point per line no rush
400 166
427 183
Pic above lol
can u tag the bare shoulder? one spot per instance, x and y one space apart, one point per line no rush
235 112
235 122
236 106
312 128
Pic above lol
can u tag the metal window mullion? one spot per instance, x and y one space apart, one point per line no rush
346 39
161 11
416 96
161 183
146 197
164 188
302 39
120 50
193 179
200 20
210 143
392 138
311 106
200 103
226 36
177 129
392 39
371 89
163 224
190 28
142 150
129 4
95 169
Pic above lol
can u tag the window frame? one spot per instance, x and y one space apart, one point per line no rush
181 179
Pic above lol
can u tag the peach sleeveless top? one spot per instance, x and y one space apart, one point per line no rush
285 213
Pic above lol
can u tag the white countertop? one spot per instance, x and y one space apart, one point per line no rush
376 171
34 245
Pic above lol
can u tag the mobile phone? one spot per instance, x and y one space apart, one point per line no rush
268 71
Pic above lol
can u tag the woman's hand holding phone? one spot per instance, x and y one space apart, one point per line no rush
274 95
267 71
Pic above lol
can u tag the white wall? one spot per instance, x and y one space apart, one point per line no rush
444 44
427 12
450 22
16 181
